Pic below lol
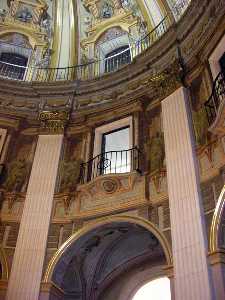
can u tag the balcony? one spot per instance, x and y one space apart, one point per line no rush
215 106
110 182
88 71
94 69
112 162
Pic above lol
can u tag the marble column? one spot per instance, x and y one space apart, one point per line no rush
191 269
27 267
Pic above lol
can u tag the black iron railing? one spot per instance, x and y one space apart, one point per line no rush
151 37
114 62
217 96
96 68
90 70
112 162
12 71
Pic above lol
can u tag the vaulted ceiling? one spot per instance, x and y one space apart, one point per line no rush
100 256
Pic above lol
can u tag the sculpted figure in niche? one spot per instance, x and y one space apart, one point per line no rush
70 173
199 95
16 175
157 152
201 126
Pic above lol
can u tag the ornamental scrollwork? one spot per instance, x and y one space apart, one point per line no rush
54 121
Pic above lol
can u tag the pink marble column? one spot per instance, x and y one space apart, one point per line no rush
26 273
191 270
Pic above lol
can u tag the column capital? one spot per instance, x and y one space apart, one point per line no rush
53 122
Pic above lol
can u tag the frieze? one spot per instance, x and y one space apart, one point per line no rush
19 104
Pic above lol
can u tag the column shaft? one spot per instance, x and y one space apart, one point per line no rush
26 273
192 278
64 39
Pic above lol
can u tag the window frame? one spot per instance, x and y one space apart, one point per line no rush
111 127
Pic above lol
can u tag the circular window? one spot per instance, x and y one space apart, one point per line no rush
158 289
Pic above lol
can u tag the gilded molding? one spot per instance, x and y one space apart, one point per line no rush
57 34
53 121
217 257
51 287
216 223
73 34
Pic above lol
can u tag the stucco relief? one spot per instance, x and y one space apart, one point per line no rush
112 192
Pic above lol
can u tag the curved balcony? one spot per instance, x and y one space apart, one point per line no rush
112 162
93 69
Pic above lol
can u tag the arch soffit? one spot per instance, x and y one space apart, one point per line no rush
215 229
104 221
4 263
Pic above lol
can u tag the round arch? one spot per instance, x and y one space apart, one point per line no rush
102 30
215 230
4 264
32 40
104 221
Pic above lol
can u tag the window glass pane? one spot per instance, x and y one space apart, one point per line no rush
116 158
117 140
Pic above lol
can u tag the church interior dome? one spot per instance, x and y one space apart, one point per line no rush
112 149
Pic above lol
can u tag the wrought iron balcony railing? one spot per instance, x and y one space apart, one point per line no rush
90 70
93 69
217 96
112 162
116 61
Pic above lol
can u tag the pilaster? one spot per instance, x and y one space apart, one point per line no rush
191 270
27 267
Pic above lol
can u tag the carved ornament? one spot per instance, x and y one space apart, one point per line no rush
53 121
111 193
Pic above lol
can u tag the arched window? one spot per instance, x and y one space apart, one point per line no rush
117 58
14 66
15 51
158 289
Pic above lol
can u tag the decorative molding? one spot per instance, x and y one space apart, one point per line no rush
110 192
217 257
54 121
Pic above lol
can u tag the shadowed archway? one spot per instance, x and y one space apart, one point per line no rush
94 257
